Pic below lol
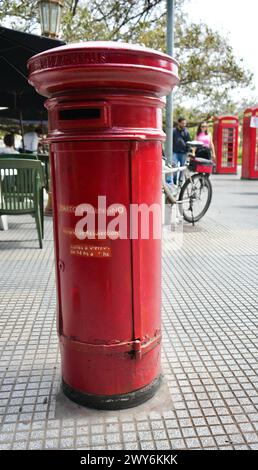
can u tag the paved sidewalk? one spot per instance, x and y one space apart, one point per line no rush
209 399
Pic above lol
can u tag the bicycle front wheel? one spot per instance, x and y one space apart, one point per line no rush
195 197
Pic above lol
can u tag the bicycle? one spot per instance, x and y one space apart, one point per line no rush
194 196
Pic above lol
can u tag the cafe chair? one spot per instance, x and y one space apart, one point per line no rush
21 190
44 158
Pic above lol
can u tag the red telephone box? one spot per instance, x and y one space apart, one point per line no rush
250 144
225 139
105 131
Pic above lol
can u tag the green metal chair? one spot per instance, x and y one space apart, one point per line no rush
44 158
27 156
21 190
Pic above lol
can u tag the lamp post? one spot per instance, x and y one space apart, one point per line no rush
50 17
169 100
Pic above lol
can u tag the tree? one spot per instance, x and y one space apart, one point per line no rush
208 69
19 14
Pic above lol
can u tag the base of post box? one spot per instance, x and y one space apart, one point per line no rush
113 402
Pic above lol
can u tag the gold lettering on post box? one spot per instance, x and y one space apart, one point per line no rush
90 251
64 59
66 208
69 232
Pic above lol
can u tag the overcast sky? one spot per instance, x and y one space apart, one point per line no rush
235 19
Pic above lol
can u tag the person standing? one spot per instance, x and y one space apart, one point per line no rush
180 148
31 140
203 136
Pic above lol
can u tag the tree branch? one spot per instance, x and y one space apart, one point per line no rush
74 7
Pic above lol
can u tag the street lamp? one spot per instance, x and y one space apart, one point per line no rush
169 100
50 16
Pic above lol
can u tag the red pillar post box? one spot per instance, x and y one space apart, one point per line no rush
250 144
225 139
105 131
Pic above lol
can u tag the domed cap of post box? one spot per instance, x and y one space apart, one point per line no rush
102 65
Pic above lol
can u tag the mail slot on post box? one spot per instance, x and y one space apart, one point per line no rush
105 133
225 139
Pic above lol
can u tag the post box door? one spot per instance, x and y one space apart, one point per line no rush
82 171
113 293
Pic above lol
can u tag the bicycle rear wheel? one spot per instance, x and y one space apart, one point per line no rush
195 197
